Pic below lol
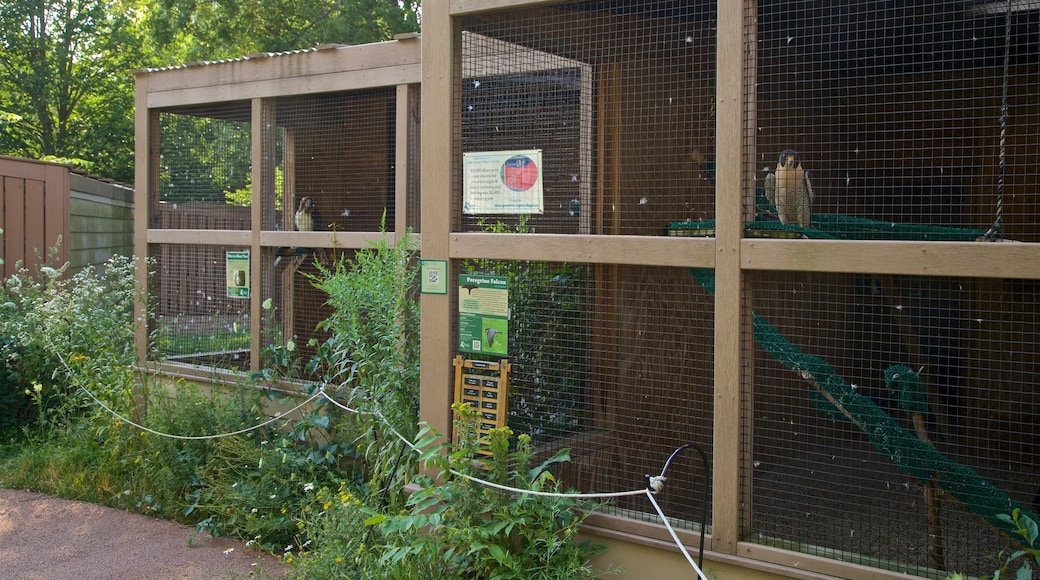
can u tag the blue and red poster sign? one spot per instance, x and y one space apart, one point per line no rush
502 182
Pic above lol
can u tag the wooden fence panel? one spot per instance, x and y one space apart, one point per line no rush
34 210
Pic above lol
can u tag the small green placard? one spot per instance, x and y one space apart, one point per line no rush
484 314
238 274
434 276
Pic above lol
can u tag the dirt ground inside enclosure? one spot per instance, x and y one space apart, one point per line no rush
45 538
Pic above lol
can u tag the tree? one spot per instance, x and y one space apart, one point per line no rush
66 88
229 28
66 82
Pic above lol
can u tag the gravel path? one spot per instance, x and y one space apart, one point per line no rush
45 538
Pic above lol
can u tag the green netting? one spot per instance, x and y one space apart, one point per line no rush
840 401
837 227
906 386
833 227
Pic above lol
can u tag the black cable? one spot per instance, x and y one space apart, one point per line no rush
996 231
704 499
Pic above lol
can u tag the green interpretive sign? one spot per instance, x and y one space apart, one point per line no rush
434 276
484 314
238 274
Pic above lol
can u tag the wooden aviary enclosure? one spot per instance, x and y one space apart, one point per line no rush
229 153
862 377
803 237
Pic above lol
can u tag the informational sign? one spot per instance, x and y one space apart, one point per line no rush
238 274
483 314
502 182
485 387
433 276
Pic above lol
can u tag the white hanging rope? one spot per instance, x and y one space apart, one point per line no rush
198 437
484 481
320 393
650 496
126 420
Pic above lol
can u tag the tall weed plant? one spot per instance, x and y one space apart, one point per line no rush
371 359
62 332
454 527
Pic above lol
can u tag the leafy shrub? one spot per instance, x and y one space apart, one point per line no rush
462 529
458 528
371 359
65 331
15 404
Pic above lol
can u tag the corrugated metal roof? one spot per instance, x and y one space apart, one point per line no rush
252 56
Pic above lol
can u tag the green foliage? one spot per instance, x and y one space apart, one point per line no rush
62 331
244 195
256 491
15 404
371 358
65 73
459 528
66 82
204 159
226 28
342 544
63 334
1019 560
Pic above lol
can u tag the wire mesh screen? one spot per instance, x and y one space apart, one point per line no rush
616 97
195 318
337 151
615 364
892 416
297 307
205 165
414 154
913 121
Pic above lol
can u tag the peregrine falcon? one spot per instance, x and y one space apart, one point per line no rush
790 191
304 218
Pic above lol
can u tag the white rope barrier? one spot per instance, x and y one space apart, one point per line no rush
199 437
657 483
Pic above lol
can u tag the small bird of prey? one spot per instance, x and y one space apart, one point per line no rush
304 218
790 191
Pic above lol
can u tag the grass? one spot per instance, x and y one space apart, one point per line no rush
324 493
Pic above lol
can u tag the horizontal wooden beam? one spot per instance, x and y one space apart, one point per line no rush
270 239
281 87
201 237
974 259
459 7
596 249
343 240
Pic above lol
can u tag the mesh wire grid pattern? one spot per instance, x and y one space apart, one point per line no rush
838 460
193 318
920 114
613 363
413 166
314 149
338 149
624 122
204 168
297 307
